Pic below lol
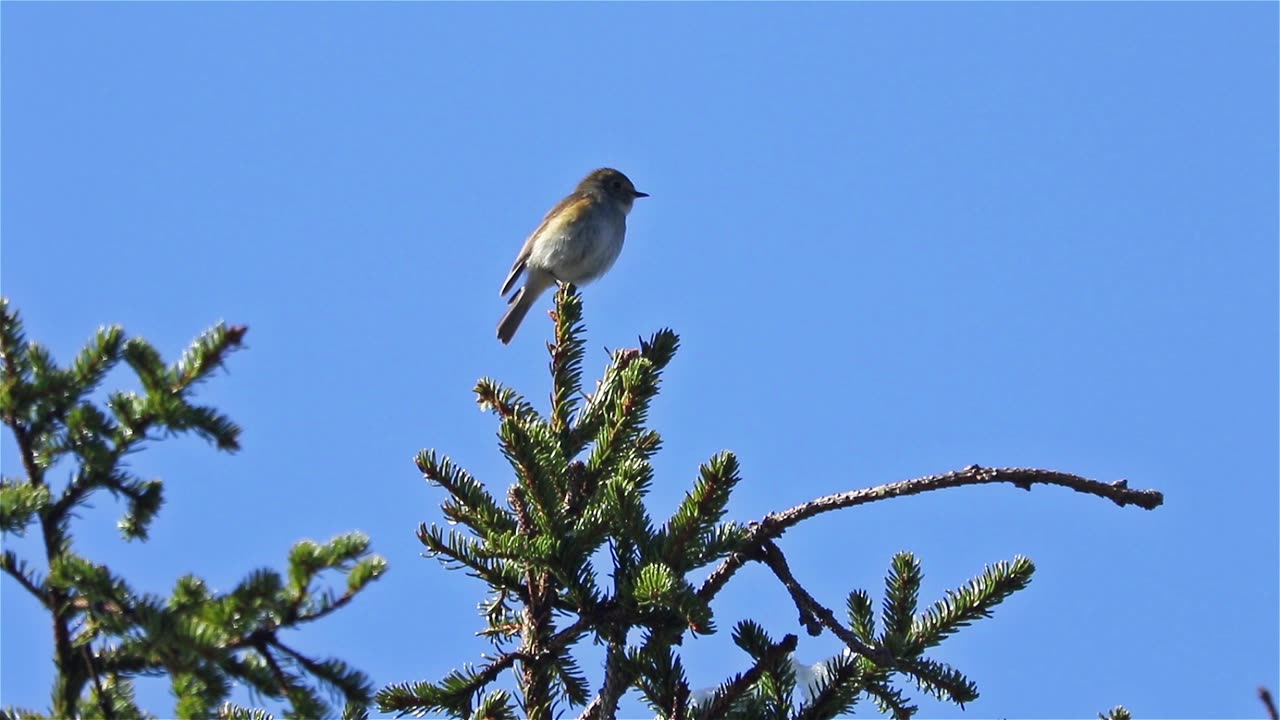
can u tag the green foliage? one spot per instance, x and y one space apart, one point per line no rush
764 691
581 473
105 632
495 706
20 504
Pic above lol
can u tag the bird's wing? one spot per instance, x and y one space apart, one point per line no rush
565 211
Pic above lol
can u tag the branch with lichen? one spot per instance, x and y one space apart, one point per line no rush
774 525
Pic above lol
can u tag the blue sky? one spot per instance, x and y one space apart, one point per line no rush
895 240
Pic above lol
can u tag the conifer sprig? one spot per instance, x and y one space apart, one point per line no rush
581 476
105 632
735 696
567 352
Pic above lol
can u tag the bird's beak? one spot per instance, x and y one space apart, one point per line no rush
640 194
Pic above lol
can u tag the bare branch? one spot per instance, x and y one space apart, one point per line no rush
774 525
812 612
1265 696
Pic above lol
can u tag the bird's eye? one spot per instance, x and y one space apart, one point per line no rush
617 184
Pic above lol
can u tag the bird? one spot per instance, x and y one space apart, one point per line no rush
577 242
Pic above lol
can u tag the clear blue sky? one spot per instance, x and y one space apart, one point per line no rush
895 240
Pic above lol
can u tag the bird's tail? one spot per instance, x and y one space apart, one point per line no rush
520 304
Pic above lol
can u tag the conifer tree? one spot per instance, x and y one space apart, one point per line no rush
582 471
106 633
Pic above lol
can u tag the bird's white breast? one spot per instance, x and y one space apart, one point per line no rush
581 251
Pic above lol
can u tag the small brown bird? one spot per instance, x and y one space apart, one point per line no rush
577 242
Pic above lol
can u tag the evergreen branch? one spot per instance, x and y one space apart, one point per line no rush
97 358
862 619
660 348
940 680
199 691
467 553
353 684
104 633
104 703
144 500
771 693
20 504
192 638
776 689
723 540
623 672
617 509
210 425
14 712
17 569
577 577
655 585
623 668
502 401
206 354
605 614
52 391
331 604
679 601
86 429
83 586
495 705
147 365
658 674
729 693
308 559
623 407
35 474
472 504
835 692
971 602
285 683
61 390
254 671
701 509
901 595
534 453
573 684
16 395
658 351
164 405
453 694
166 387
590 417
888 699
13 358
615 423
566 352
